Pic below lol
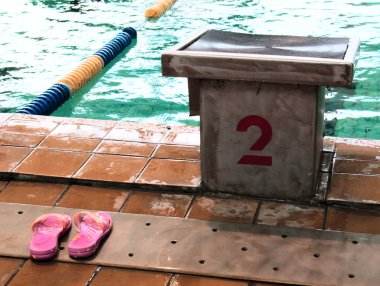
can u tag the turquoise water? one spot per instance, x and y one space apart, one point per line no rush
44 40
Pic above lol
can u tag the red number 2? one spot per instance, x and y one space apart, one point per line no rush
264 139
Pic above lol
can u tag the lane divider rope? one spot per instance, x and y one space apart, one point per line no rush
58 93
156 10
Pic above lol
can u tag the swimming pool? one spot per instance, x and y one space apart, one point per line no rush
42 40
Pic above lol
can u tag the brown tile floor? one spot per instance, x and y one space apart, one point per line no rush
69 143
32 193
11 157
29 125
292 215
171 172
125 148
182 136
20 140
91 198
221 209
52 163
355 188
353 220
52 273
3 184
137 132
8 267
112 168
357 167
158 204
190 280
114 276
154 157
83 130
5 116
177 152
357 149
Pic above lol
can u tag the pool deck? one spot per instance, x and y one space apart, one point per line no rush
155 170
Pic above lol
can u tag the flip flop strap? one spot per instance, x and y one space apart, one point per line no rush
97 219
59 218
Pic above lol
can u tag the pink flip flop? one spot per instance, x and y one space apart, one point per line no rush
92 228
47 229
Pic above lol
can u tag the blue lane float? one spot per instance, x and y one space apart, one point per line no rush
53 97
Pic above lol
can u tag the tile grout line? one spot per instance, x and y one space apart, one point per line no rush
118 155
13 114
97 146
5 186
190 206
329 179
258 209
74 137
22 161
125 201
109 131
20 266
171 280
127 155
139 174
101 139
157 145
82 166
326 209
32 150
60 197
178 159
47 134
96 271
167 131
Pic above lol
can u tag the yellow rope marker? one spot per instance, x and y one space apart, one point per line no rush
93 65
75 81
79 76
89 67
86 71
97 61
156 10
69 82
66 86
83 73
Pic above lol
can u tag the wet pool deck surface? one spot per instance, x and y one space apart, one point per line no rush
155 170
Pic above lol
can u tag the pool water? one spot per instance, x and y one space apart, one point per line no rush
43 40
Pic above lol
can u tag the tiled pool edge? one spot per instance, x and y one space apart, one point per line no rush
145 172
127 143
212 207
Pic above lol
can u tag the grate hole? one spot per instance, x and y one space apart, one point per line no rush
173 242
351 275
244 248
215 230
20 212
316 255
284 235
130 254
202 261
276 268
148 224
355 242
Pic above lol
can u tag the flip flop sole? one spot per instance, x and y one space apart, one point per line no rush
87 252
73 253
48 253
